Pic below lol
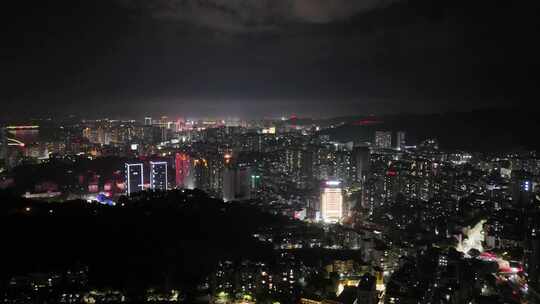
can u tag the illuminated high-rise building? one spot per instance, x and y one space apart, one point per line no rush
206 173
298 164
332 202
98 134
361 161
229 177
383 139
523 190
243 182
237 180
182 168
532 247
134 178
158 175
148 121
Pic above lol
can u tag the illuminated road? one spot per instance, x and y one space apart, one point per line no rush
508 276
381 298
520 287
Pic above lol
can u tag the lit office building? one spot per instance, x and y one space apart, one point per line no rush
158 175
134 178
383 139
332 202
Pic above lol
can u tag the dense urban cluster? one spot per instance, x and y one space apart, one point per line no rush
369 220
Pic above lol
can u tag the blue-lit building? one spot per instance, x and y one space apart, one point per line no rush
134 178
158 176
523 191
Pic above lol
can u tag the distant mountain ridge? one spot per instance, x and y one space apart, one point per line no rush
482 130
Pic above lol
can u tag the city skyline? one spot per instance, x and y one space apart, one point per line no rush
270 152
265 210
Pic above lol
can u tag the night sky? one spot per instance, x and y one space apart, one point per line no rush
254 58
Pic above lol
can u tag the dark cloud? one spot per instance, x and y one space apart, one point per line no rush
260 57
252 15
323 11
